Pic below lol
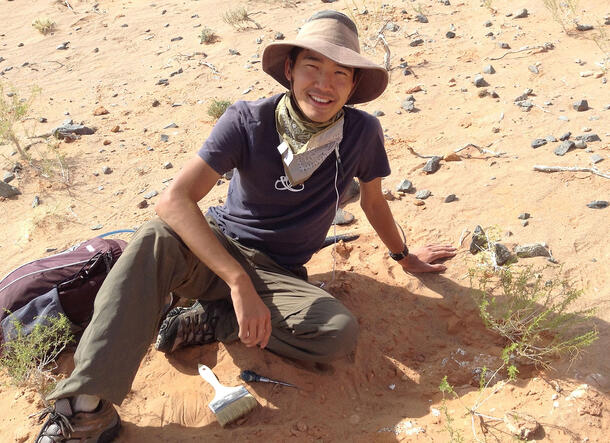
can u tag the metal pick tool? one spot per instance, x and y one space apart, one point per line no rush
250 376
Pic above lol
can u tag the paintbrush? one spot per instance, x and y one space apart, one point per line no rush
229 403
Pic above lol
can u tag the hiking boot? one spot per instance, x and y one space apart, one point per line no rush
98 426
190 326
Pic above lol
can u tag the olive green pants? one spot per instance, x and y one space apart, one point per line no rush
307 323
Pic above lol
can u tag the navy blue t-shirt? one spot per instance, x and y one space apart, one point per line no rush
287 223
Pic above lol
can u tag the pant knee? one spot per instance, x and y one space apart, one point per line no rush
341 336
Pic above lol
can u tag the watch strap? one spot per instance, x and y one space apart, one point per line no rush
399 256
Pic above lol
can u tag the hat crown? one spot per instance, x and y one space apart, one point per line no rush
330 30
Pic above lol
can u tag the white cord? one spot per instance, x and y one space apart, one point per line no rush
336 211
283 184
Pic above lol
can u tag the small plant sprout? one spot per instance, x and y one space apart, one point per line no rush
13 110
44 25
239 18
207 36
217 108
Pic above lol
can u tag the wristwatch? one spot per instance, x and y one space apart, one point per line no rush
400 255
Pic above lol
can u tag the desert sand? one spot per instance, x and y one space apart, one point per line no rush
414 329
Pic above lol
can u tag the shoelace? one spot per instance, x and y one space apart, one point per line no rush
57 418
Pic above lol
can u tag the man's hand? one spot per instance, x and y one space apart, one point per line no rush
421 259
252 314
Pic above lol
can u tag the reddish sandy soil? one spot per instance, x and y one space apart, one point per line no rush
414 329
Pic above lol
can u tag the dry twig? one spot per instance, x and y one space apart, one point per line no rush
481 150
543 48
541 168
412 151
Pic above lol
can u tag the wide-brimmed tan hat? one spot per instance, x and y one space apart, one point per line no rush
335 36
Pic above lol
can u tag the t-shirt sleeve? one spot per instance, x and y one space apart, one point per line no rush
224 148
373 160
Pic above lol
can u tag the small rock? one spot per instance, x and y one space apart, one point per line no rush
580 144
479 240
423 194
489 69
106 142
163 82
8 177
97 227
580 105
421 18
8 191
524 223
550 139
488 24
171 126
387 194
155 103
501 253
596 158
392 27
343 217
432 165
504 45
150 194
532 250
164 138
408 105
533 69
452 157
595 204
106 170
538 142
378 113
167 165
450 198
143 204
479 81
279 36
564 147
588 138
521 13
176 39
417 42
42 119
36 201
100 111
584 27
419 202
521 425
565 136
524 216
233 52
116 128
63 46
404 186
450 34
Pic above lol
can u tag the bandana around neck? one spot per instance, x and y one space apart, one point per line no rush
305 144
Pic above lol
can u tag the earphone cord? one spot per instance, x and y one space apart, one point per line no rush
336 210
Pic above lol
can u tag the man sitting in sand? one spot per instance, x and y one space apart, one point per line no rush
294 155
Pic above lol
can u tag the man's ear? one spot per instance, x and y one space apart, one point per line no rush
288 69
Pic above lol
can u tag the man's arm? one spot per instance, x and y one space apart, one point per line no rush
178 208
378 213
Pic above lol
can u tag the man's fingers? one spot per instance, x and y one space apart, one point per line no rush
267 334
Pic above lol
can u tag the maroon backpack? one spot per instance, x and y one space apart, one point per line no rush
76 274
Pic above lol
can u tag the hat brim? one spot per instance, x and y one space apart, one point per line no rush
373 78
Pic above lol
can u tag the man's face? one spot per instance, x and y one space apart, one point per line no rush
321 87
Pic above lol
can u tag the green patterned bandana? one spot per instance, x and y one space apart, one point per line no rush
305 144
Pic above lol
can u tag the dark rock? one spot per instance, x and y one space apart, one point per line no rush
595 204
8 177
521 13
176 39
17 167
404 186
584 27
417 42
421 18
487 24
155 103
343 217
532 250
167 165
142 204
63 46
580 105
502 254
550 139
489 70
565 136
8 191
580 144
423 194
378 113
596 158
538 142
450 198
588 138
106 170
479 81
392 27
450 34
279 36
524 216
163 82
171 126
42 119
504 45
432 165
164 138
36 201
479 240
178 72
564 147
68 129
408 105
